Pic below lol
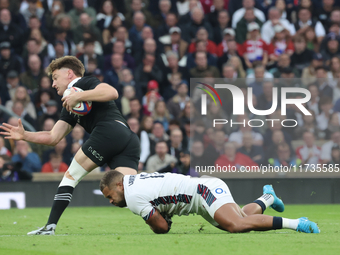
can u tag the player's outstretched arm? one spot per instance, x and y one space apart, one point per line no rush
59 131
158 224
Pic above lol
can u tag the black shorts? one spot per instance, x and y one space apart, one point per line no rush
114 144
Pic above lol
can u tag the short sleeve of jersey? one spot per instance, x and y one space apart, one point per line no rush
68 117
141 207
87 83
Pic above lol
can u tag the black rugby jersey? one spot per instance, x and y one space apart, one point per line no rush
104 112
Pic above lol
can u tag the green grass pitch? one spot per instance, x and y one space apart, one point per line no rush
110 230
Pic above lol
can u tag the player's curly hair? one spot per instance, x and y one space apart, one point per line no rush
70 62
110 178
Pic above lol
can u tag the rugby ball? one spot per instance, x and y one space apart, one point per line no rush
82 108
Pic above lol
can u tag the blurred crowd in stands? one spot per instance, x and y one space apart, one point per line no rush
148 50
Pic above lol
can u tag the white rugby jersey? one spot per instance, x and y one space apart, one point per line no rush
171 193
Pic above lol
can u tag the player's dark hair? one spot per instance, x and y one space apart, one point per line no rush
110 178
70 62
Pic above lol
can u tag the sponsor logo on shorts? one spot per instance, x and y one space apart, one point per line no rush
95 153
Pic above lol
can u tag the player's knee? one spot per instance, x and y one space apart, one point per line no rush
244 212
238 227
68 175
231 227
73 175
234 227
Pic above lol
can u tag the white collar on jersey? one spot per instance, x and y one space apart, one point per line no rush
73 82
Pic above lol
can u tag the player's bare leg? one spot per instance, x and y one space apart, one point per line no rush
235 220
80 166
231 219
126 170
251 209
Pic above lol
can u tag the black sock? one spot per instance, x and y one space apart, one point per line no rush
264 201
277 222
260 203
61 201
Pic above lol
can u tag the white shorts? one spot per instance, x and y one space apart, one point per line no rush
212 194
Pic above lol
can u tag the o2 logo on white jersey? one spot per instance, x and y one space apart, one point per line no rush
220 191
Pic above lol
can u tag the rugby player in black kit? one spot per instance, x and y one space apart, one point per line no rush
111 140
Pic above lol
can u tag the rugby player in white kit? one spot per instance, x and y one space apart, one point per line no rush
157 197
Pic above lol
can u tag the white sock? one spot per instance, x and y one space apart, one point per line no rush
267 199
289 223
